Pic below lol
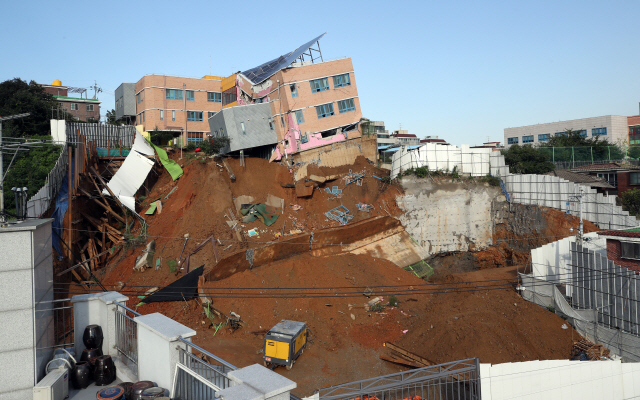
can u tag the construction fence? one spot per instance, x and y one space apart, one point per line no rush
107 136
540 190
39 203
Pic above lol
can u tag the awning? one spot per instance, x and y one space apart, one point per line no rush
392 150
414 147
384 147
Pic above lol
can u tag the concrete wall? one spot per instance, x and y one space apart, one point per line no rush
448 216
125 96
255 118
560 379
26 319
617 128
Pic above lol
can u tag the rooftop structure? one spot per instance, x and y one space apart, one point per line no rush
84 109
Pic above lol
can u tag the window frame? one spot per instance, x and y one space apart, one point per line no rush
192 116
161 115
630 250
339 81
195 137
319 85
74 106
602 131
513 140
294 90
192 97
172 94
90 107
322 110
173 115
528 139
244 129
299 116
544 137
346 105
634 176
138 98
216 98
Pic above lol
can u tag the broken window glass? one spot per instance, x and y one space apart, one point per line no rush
319 85
325 110
341 80
294 90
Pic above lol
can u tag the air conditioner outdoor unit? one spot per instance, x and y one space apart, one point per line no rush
54 386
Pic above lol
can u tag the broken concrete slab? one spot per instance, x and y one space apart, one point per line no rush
302 190
317 179
240 200
274 201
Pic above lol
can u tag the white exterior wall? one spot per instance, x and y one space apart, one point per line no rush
560 379
617 129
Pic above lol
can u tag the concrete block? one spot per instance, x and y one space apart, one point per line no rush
262 379
15 290
13 367
15 248
42 246
43 278
164 327
240 392
17 330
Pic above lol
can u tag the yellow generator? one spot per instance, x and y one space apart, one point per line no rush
284 343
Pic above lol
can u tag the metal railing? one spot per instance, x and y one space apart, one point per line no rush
454 380
61 312
126 332
207 367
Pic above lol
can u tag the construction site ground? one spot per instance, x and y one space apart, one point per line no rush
469 308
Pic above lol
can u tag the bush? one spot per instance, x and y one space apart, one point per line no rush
213 145
491 180
191 146
631 201
455 174
393 301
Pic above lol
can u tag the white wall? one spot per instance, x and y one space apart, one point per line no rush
560 379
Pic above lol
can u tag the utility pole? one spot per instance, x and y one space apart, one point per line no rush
2 218
184 94
579 198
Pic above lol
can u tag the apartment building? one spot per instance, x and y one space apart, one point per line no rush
313 102
404 138
81 108
173 104
615 129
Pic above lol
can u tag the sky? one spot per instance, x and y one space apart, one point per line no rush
460 70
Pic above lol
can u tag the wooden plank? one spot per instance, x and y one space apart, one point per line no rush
409 354
97 175
105 205
402 362
80 280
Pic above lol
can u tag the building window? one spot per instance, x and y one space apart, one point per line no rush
544 137
582 132
299 116
173 115
229 96
634 178
560 134
161 115
612 178
221 132
89 107
143 116
341 80
527 139
282 121
325 110
214 97
190 95
346 105
304 138
195 137
630 250
244 130
319 85
174 94
138 100
597 132
294 90
512 140
271 123
211 114
194 116
74 106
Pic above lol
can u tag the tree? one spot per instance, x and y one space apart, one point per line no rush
631 201
111 118
575 145
17 97
527 159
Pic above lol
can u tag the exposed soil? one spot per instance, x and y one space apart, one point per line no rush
494 324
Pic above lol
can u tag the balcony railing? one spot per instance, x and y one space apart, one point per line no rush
126 332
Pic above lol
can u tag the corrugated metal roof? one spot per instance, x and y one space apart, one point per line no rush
383 147
262 72
414 146
584 179
392 150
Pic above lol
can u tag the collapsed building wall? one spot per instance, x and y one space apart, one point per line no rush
449 216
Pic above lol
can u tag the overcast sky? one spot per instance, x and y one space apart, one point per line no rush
460 70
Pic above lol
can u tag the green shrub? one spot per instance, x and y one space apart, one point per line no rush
191 146
491 180
393 301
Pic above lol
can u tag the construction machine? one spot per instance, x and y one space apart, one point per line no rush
284 343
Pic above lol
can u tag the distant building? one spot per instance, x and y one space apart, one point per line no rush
173 104
622 176
591 181
125 96
81 108
612 128
623 247
404 138
496 146
433 139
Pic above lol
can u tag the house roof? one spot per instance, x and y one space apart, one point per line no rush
582 179
263 71
76 99
433 141
407 135
605 167
634 233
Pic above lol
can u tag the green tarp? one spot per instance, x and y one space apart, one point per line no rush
171 166
151 209
263 212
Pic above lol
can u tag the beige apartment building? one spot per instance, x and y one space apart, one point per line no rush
176 104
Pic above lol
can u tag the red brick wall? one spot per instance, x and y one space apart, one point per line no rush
623 182
613 254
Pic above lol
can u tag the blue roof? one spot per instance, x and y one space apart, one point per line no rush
414 147
384 147
260 73
392 150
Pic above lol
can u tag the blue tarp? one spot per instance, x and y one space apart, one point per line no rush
384 147
392 150
414 147
62 203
